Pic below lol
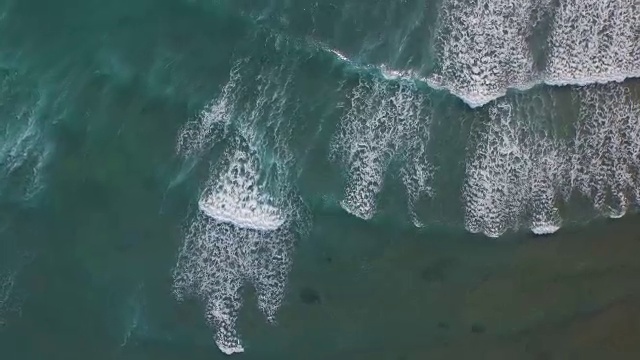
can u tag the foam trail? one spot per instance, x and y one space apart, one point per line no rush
24 149
594 41
382 120
482 50
196 135
242 234
513 173
7 282
236 238
606 162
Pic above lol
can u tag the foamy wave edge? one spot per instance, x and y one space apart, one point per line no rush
262 217
476 100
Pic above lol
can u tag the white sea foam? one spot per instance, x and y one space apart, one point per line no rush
244 231
198 134
237 238
482 49
236 196
594 41
513 173
518 169
24 148
606 161
7 283
383 119
216 261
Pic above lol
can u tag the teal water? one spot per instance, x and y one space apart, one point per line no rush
307 180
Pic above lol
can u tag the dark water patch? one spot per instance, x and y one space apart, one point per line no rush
443 325
438 270
310 296
478 328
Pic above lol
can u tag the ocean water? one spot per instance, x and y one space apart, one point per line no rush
346 179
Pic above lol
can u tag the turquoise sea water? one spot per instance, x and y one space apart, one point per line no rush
309 180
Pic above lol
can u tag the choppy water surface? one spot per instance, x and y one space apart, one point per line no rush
305 179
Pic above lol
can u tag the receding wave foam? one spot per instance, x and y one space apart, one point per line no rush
384 120
215 262
237 237
519 169
235 197
513 173
606 165
249 215
482 48
594 41
196 135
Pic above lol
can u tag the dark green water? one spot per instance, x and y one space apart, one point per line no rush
346 184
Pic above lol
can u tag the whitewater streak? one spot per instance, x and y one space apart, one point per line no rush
606 149
384 121
482 49
248 214
519 169
513 172
594 41
238 237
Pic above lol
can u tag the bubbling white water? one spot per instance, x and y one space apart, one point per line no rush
482 49
235 197
238 237
383 120
248 217
513 173
606 162
594 41
196 135
519 170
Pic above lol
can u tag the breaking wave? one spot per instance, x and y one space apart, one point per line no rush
606 157
519 168
514 170
238 236
482 48
383 121
249 214
594 41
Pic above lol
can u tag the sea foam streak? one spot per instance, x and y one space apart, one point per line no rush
383 119
249 216
518 169
513 173
24 148
606 161
594 41
238 237
482 49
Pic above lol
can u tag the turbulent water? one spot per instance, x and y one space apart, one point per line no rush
241 122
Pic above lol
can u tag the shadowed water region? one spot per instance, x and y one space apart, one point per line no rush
394 180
